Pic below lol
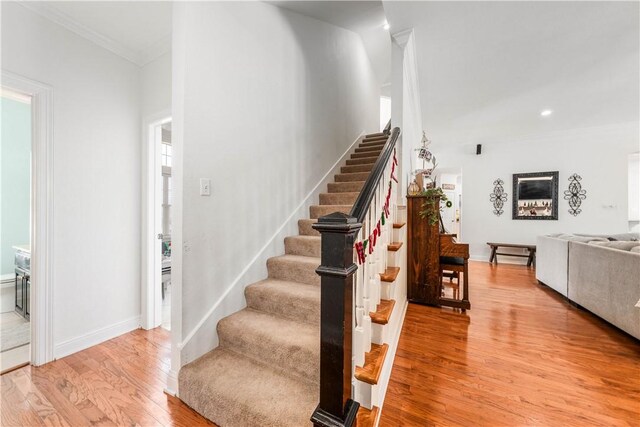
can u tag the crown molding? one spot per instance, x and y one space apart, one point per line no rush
139 58
156 50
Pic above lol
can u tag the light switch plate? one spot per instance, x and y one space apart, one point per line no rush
205 187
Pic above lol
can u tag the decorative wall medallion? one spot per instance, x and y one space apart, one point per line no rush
575 194
498 197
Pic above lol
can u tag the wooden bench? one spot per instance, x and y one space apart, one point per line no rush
531 257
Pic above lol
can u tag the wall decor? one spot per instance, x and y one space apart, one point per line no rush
535 196
498 197
575 194
446 186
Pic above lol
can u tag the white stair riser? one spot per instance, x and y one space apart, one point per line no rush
393 258
386 290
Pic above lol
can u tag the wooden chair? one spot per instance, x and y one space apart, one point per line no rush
454 258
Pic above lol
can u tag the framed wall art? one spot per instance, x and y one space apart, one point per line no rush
535 196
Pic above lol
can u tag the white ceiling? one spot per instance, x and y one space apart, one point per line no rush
366 18
487 69
139 31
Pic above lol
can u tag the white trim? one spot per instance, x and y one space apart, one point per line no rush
156 50
140 58
151 314
7 278
95 337
10 359
268 244
15 96
42 204
172 383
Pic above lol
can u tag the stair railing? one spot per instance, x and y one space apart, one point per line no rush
349 292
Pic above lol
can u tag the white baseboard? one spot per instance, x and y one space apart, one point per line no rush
172 384
95 337
15 357
203 337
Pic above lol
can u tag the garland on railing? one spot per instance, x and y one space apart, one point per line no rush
370 243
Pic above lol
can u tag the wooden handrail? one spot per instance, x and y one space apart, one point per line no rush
338 232
361 206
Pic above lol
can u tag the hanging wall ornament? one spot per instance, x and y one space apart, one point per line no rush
575 194
498 197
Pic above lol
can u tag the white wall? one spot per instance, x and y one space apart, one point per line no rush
269 101
96 227
155 84
598 155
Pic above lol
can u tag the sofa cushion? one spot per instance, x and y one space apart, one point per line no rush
636 249
614 237
581 239
620 245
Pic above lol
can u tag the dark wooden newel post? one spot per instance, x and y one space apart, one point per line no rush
336 408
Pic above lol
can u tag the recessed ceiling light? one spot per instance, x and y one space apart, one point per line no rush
386 25
545 113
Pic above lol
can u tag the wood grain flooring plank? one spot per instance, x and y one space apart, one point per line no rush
522 356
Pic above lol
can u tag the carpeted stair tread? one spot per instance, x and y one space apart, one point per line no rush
287 345
373 135
373 144
345 187
376 149
346 198
356 168
305 227
234 391
302 245
294 268
346 177
365 155
363 161
373 140
290 300
316 211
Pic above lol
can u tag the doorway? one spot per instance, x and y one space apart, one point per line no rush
166 155
15 229
450 180
385 111
156 290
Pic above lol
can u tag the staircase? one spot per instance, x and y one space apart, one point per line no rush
266 369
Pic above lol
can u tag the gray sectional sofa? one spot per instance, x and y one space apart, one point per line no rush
598 272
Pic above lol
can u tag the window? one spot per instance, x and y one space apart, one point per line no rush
167 153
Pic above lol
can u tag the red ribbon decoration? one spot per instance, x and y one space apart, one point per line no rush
379 229
360 251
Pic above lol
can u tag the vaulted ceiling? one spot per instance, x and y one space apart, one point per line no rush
363 17
488 69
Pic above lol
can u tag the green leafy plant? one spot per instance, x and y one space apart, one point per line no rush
431 209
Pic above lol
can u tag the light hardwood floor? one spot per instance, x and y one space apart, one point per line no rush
520 356
119 382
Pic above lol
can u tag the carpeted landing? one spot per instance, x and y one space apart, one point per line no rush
265 372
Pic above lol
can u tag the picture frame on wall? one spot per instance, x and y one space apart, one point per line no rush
535 196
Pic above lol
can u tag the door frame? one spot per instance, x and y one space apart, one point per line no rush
151 297
42 219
